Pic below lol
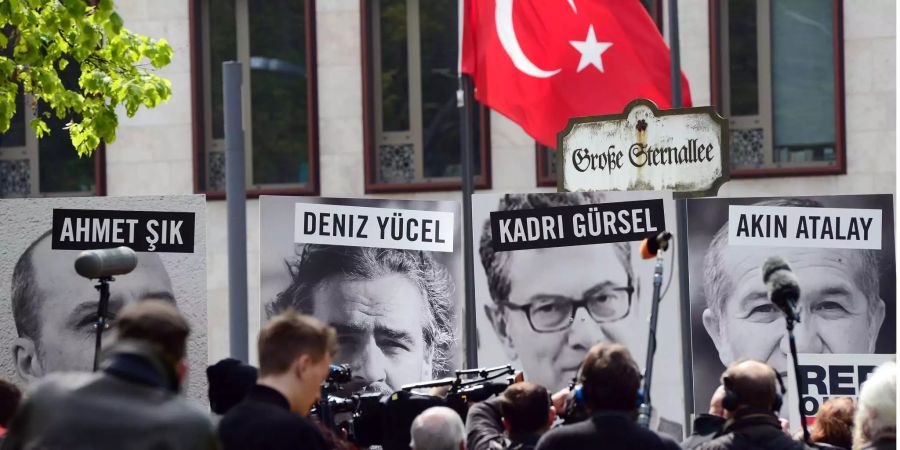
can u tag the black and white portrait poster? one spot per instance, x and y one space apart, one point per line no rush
386 274
841 249
556 273
48 312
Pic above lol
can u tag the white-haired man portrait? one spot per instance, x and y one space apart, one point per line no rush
840 302
393 311
846 303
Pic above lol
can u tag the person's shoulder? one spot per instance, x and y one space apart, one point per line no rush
653 439
59 385
190 413
566 436
722 442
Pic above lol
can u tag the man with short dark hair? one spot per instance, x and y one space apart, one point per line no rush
294 354
523 411
752 397
610 381
132 403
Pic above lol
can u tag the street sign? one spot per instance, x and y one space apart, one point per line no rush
644 149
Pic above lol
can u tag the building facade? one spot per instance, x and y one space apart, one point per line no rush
354 98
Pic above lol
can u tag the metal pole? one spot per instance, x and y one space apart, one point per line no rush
789 319
235 194
681 219
675 53
685 297
467 143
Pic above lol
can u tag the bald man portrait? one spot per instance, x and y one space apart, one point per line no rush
846 302
55 309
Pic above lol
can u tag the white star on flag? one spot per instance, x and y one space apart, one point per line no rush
590 50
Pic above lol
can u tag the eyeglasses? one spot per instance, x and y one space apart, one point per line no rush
550 313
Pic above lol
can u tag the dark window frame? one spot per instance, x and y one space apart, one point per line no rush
839 167
541 170
198 110
372 185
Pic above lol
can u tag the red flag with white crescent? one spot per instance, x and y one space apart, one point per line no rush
541 62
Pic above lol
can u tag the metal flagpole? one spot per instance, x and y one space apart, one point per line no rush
235 193
681 216
467 143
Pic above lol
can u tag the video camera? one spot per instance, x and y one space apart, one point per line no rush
385 420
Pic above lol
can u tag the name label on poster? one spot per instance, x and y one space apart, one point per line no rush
576 225
791 226
142 231
358 226
823 376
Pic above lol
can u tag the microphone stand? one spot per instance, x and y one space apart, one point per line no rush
790 318
102 310
645 408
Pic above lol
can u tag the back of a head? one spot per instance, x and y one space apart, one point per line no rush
834 423
157 323
10 396
610 378
229 382
752 385
525 406
438 428
876 410
289 336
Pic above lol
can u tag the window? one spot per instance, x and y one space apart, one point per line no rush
412 125
50 166
777 74
275 42
545 157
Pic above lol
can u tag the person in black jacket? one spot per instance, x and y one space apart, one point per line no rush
752 398
707 426
610 381
294 354
514 420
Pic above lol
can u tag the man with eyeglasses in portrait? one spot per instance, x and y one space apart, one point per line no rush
551 305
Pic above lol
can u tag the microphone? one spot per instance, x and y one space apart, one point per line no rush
652 245
784 291
105 263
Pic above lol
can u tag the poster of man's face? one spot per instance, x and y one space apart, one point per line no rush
542 309
51 311
395 310
847 295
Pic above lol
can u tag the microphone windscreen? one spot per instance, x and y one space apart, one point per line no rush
105 263
784 291
774 264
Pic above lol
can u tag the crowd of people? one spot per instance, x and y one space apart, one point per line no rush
133 402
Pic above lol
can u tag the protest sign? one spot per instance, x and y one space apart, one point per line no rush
556 249
841 250
824 376
385 273
48 306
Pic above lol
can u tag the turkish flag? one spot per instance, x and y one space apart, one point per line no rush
541 62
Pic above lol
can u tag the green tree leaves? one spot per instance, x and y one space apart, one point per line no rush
45 42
